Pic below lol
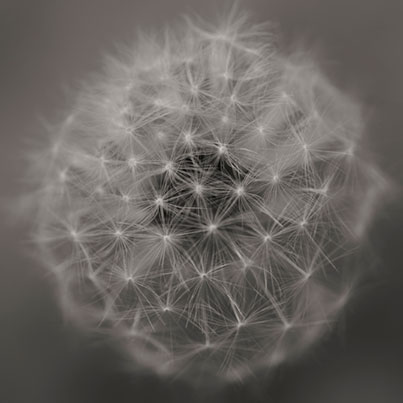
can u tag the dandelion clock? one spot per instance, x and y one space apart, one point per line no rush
201 198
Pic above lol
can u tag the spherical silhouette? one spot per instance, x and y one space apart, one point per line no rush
201 197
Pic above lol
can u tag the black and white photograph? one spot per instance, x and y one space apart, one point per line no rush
201 201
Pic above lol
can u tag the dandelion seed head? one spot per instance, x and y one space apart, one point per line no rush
267 238
188 137
239 190
212 228
126 198
287 326
275 178
169 166
224 119
222 149
198 188
132 162
240 324
74 235
211 189
160 135
159 201
303 223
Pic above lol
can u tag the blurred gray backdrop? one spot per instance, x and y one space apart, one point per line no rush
46 48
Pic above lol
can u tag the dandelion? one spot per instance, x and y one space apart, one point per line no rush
200 196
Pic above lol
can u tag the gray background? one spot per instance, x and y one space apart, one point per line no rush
47 46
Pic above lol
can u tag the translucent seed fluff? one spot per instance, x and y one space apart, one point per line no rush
200 199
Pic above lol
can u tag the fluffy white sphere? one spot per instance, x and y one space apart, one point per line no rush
201 197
